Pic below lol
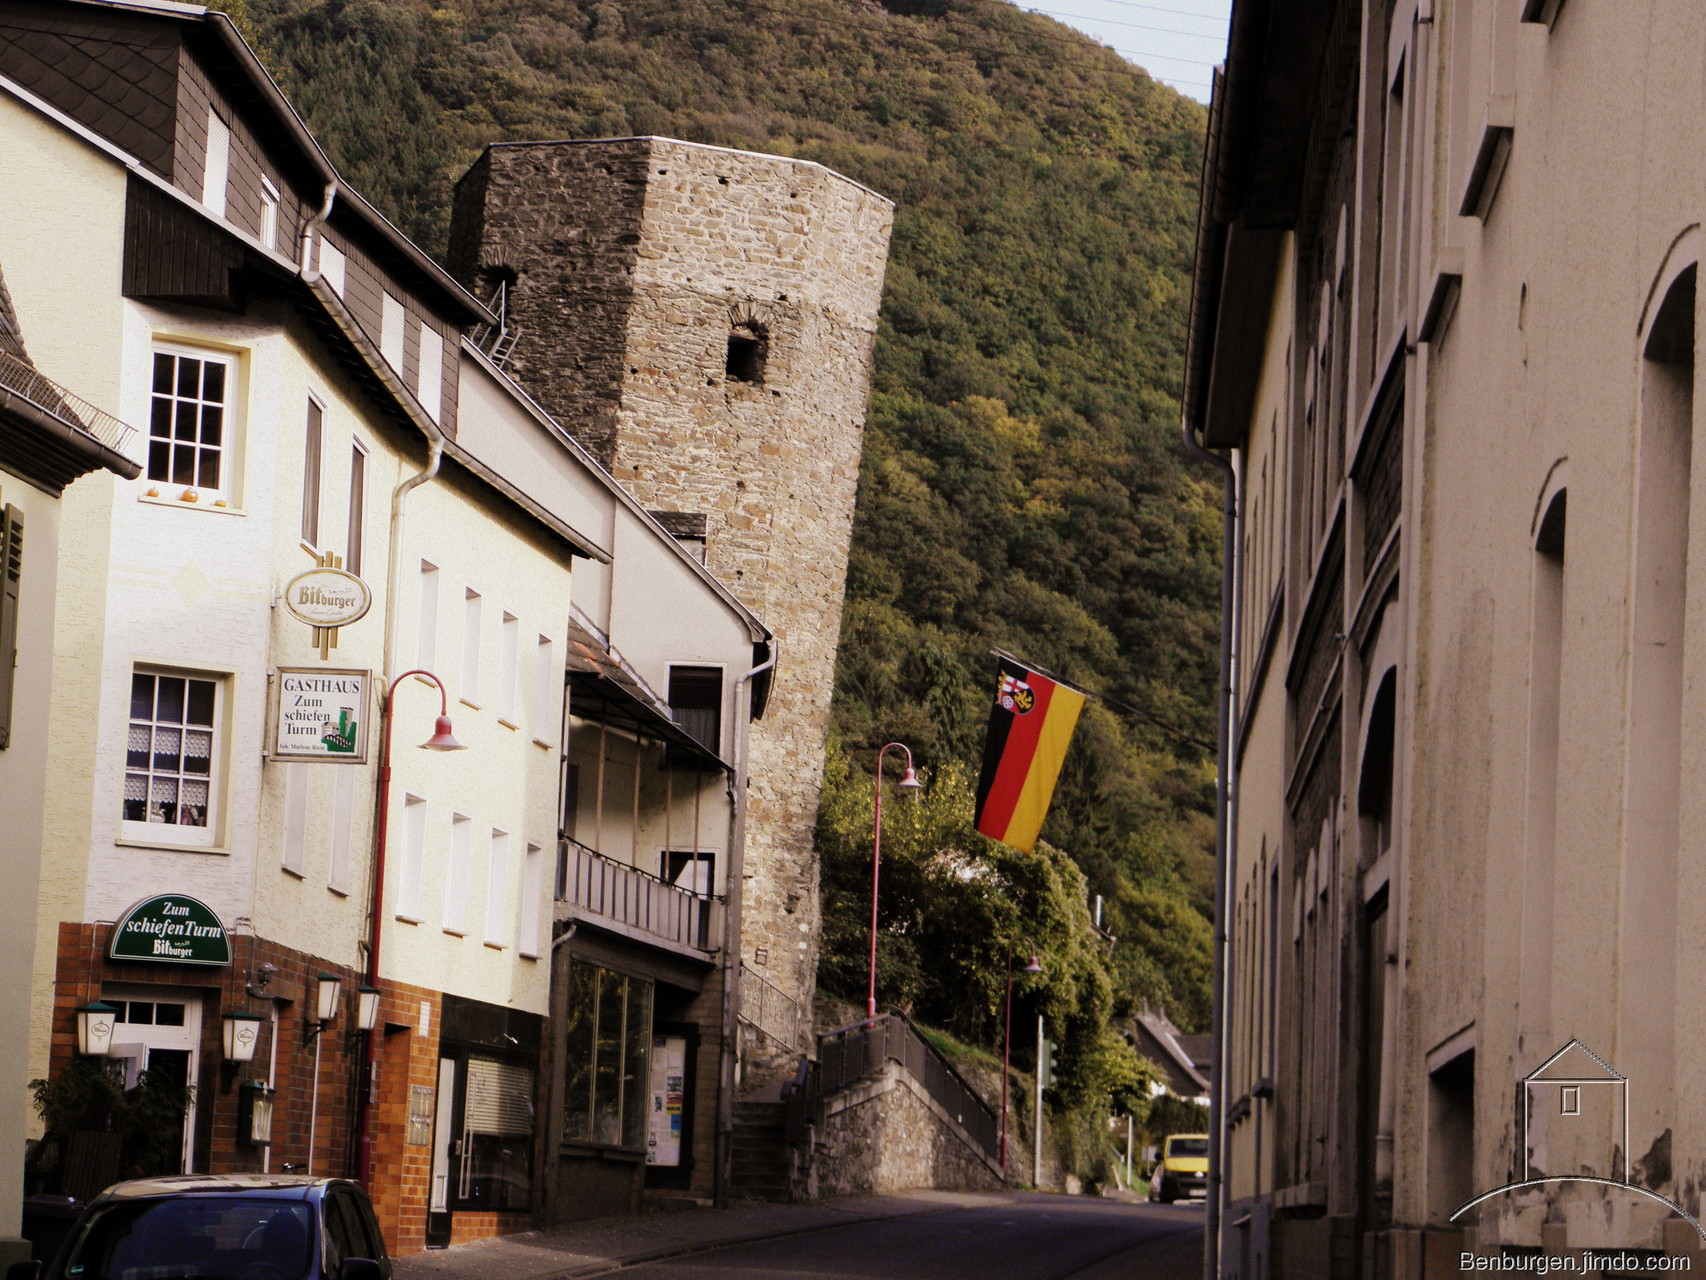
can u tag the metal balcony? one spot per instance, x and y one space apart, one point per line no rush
623 899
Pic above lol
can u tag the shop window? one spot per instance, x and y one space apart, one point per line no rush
170 754
190 446
497 1136
606 1055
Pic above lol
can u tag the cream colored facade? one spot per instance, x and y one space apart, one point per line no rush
1446 323
350 421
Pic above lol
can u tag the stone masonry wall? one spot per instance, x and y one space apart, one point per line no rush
662 250
886 1135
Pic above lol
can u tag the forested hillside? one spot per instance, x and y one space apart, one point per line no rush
1023 485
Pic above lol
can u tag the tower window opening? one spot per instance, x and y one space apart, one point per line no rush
749 346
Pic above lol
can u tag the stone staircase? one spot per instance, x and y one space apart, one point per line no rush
762 1164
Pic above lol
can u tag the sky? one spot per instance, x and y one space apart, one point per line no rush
1176 41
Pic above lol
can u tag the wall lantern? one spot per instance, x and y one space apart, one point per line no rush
240 1034
366 1008
254 1113
95 1028
328 994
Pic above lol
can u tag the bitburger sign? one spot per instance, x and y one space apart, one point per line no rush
327 598
173 929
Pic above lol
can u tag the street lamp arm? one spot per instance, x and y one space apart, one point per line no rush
423 673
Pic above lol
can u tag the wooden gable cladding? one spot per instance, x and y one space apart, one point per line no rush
173 253
117 75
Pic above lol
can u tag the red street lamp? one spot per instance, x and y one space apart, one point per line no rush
908 781
1035 966
442 740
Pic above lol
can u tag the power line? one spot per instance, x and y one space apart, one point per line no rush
1135 26
1183 13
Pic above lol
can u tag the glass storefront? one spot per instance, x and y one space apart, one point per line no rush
607 1057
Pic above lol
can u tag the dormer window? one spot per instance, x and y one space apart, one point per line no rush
269 213
218 167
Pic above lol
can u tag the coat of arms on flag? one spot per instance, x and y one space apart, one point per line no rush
1030 726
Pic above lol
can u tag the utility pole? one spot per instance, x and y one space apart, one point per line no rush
1037 1115
1128 1152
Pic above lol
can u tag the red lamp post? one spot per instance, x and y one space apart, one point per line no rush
442 740
1035 966
908 781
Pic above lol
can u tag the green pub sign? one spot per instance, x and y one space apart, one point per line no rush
172 929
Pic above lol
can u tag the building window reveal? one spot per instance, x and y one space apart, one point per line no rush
168 775
607 1056
187 426
696 701
311 474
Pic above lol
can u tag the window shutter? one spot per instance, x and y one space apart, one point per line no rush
499 1098
11 575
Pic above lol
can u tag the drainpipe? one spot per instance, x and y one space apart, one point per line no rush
1224 853
732 930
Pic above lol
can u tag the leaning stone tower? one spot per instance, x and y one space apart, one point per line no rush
702 321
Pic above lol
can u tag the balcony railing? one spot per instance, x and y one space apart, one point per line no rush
635 902
21 379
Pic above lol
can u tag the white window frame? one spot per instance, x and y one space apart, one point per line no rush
206 836
393 329
411 860
342 832
293 840
532 891
164 448
429 373
509 656
355 547
269 213
216 173
472 620
333 264
313 472
426 620
456 874
497 888
547 694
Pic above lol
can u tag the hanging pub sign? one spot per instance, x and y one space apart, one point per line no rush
320 714
171 929
327 598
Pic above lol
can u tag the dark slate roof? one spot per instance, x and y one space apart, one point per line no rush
11 336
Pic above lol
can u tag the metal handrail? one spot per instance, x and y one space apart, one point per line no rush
769 1008
858 1051
26 381
628 895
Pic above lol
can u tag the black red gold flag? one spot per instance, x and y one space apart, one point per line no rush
1030 727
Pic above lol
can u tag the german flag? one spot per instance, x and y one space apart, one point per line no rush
1029 729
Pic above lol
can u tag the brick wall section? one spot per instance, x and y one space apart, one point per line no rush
893 1139
401 1173
635 259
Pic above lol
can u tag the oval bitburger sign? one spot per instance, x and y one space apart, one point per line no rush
327 598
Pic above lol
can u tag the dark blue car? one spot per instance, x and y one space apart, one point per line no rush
241 1226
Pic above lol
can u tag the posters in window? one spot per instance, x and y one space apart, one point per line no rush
663 1119
321 714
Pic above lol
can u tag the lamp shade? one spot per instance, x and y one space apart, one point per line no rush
366 1008
909 780
1036 965
95 1028
240 1033
328 994
442 739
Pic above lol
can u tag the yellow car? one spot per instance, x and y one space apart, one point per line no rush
1182 1169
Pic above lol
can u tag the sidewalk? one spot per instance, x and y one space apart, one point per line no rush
605 1244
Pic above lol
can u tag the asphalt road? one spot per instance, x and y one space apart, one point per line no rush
1027 1237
